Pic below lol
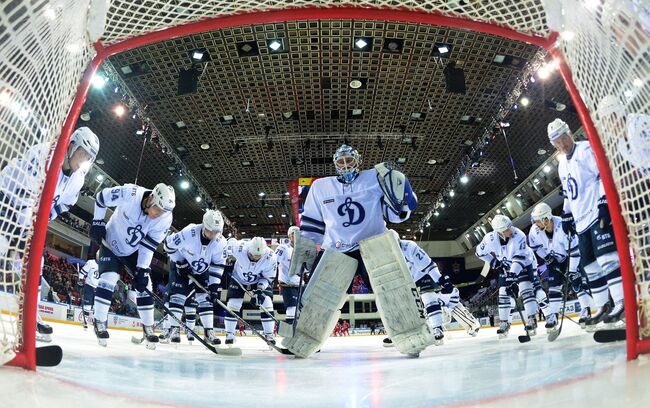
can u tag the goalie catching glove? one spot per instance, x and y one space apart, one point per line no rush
398 194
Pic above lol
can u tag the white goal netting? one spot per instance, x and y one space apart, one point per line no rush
45 47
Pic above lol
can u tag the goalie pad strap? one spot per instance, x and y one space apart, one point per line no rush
321 301
465 318
396 295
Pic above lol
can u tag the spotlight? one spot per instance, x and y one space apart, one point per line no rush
119 110
362 44
139 132
464 179
547 169
98 81
276 45
199 55
441 50
184 185
452 193
198 199
261 194
524 101
99 177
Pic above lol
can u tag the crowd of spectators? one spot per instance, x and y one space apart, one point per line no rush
74 222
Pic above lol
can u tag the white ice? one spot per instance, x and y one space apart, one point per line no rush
349 372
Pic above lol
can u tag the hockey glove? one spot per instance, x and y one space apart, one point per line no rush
215 292
551 262
446 286
496 264
183 269
258 298
575 280
603 212
568 225
141 279
513 289
97 231
80 284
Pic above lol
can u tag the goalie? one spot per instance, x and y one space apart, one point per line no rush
346 214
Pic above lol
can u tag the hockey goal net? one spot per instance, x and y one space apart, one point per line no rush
49 52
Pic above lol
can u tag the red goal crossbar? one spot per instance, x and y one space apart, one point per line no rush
26 357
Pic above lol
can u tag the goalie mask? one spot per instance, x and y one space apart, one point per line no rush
348 163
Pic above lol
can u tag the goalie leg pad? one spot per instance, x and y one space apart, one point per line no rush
465 318
321 301
398 300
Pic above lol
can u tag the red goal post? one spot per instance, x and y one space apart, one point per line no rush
607 51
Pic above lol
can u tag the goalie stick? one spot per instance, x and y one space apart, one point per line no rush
161 305
239 319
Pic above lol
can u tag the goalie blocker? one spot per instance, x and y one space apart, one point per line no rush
398 300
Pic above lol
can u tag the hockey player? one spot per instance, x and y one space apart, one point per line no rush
20 185
586 213
345 214
288 284
197 250
255 270
141 219
87 281
559 252
506 250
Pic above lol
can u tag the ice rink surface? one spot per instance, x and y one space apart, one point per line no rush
351 372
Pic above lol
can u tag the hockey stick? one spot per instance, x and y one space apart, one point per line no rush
260 306
83 297
526 338
161 305
239 319
48 356
552 336
610 335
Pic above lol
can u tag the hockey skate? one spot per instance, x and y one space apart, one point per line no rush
174 335
551 322
616 314
164 336
584 315
211 338
150 337
388 342
473 333
592 322
438 336
88 317
503 330
43 332
270 338
531 326
230 339
190 337
101 332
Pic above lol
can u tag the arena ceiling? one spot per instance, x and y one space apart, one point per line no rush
301 100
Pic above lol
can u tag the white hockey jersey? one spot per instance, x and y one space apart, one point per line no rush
129 228
339 215
90 272
20 182
418 261
514 254
556 245
248 272
581 184
283 254
188 245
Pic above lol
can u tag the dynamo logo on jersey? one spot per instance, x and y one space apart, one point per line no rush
200 265
353 210
572 186
135 234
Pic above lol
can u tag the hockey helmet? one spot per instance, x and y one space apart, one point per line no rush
500 223
213 221
86 139
556 129
164 197
347 162
608 105
256 246
541 212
